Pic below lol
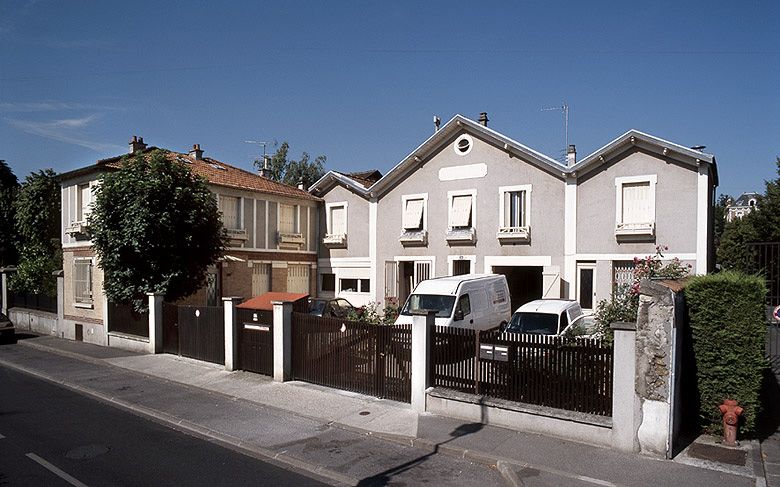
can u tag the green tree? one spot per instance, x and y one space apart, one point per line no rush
767 212
293 172
719 217
37 217
155 228
9 186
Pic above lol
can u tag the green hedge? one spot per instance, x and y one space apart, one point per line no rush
729 332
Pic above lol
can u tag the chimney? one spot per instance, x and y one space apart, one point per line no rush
137 144
436 123
301 186
196 153
265 171
483 120
571 155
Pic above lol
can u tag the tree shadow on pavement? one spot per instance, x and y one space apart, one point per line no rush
384 478
769 420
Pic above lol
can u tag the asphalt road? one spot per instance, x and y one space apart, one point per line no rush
52 436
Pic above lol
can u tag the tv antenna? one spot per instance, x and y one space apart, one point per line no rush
565 110
264 144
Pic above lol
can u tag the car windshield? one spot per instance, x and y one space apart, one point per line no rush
316 307
535 323
418 302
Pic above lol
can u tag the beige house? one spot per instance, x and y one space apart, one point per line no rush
470 199
272 228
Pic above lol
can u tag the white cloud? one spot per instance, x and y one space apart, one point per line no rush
65 130
51 106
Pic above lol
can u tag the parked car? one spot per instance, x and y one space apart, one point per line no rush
546 317
475 301
330 308
7 330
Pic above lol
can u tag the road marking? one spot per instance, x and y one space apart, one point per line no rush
56 471
1 437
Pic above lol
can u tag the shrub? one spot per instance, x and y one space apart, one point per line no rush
372 315
727 325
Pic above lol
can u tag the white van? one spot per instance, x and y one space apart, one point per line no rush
475 301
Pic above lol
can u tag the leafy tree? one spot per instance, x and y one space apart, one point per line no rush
719 216
9 186
155 228
292 172
767 211
37 217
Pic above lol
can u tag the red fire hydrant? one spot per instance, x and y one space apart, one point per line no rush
731 412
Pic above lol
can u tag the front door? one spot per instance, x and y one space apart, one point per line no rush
586 277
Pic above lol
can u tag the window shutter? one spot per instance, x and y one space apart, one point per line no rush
86 201
413 214
82 281
287 219
261 279
460 213
298 279
338 220
422 271
229 208
636 203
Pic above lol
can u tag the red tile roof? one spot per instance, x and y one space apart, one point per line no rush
222 174
264 301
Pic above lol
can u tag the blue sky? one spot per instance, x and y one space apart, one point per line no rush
361 81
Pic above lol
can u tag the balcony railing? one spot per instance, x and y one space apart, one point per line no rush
514 234
335 239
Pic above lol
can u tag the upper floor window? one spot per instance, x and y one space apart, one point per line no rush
336 223
82 282
514 213
414 219
462 216
414 210
635 205
288 218
230 207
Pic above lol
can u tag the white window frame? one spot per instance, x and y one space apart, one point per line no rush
239 213
359 285
76 302
328 223
502 190
472 259
420 196
652 180
462 192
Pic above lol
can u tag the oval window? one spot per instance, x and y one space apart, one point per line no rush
463 145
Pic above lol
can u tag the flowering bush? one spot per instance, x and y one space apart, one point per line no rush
371 314
624 303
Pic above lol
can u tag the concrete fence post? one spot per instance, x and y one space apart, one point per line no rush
625 403
155 323
282 340
231 332
4 278
422 329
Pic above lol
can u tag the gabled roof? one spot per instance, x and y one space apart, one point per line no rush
645 141
366 178
513 148
744 199
215 172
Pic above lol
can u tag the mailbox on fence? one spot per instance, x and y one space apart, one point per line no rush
494 352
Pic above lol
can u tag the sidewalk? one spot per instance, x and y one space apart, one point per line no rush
347 438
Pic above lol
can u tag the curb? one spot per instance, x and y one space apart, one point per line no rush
280 459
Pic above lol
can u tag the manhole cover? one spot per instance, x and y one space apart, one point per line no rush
717 453
364 413
86 451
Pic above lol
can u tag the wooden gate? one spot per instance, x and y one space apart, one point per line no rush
194 331
353 356
255 340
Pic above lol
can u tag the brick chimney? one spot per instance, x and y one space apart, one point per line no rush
265 171
483 120
137 144
571 155
196 153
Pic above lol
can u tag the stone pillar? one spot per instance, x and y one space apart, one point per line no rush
422 331
231 332
4 278
625 404
155 323
282 340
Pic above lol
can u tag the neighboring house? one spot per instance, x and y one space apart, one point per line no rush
470 199
742 206
272 229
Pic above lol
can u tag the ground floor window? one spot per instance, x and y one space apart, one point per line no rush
354 285
328 282
82 281
261 279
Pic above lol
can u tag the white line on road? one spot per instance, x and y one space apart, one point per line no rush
56 471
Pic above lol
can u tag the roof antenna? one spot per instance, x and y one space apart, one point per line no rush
264 168
436 122
565 110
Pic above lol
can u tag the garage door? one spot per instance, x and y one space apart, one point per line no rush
298 278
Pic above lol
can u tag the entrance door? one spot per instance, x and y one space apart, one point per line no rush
410 274
586 277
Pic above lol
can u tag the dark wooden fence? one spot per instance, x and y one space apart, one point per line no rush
767 258
41 302
201 333
122 318
255 340
353 356
557 372
170 325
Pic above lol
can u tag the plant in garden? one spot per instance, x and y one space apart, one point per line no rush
37 218
372 315
9 187
624 303
155 228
